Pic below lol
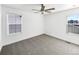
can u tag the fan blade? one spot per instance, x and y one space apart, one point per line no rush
50 9
35 10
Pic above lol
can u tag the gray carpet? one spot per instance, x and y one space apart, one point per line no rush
41 45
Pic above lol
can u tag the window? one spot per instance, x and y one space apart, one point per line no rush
14 23
73 23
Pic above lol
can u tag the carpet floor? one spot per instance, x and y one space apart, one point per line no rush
41 45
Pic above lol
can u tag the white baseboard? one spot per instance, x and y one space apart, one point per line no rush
61 38
24 38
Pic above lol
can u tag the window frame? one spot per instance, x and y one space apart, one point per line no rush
9 23
73 14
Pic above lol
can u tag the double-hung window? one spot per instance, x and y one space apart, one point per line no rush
14 23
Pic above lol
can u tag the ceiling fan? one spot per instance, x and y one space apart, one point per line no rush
42 10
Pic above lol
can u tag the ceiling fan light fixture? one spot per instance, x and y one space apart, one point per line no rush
43 10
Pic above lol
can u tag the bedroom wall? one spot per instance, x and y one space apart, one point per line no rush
32 25
55 25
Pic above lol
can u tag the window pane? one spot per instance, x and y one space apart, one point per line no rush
12 28
11 19
18 27
18 19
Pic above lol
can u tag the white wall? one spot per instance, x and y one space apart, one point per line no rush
0 30
55 25
32 25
